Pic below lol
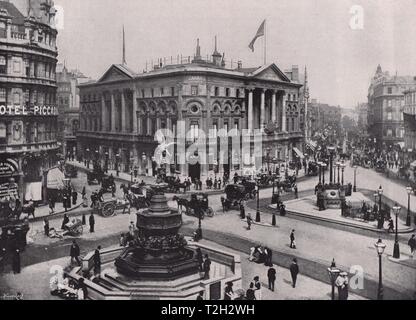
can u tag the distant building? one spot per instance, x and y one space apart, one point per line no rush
68 106
121 112
362 115
410 124
28 113
385 108
323 115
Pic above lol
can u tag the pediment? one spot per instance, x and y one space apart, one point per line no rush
271 73
115 73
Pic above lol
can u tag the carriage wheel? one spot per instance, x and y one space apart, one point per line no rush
108 210
79 230
209 212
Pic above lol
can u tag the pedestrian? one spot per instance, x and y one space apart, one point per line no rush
16 261
242 210
84 221
206 267
292 240
132 229
249 221
228 291
200 184
269 257
97 261
74 197
83 193
75 252
250 292
46 226
296 191
271 275
294 271
200 296
199 258
257 288
342 284
51 205
65 222
65 200
92 222
412 245
82 292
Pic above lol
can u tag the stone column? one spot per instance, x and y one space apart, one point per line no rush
284 112
123 113
103 114
262 109
113 113
149 124
169 123
135 110
250 110
274 107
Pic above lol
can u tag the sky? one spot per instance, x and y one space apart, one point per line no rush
315 33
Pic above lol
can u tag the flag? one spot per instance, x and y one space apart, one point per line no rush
259 34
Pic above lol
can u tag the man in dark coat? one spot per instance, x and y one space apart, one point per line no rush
64 222
271 275
207 267
97 261
74 197
46 226
199 258
294 271
292 240
92 222
16 261
75 252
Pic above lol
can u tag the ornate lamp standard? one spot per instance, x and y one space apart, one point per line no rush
380 246
287 166
380 212
144 159
343 165
408 219
88 158
333 273
338 164
331 151
320 171
106 162
324 165
258 218
396 250
117 164
355 178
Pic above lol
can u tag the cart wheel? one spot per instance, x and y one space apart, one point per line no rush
209 212
108 210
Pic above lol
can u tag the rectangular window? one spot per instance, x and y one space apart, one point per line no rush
162 91
217 91
3 65
194 90
227 92
194 130
2 95
16 98
16 66
389 90
172 91
389 116
226 126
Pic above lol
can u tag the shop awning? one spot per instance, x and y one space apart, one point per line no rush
298 153
55 179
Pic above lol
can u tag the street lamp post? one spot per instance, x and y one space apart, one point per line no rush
320 172
331 159
324 165
144 159
333 273
380 212
408 218
268 150
258 218
117 164
396 250
380 246
355 178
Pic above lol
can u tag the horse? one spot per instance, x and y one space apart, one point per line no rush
181 203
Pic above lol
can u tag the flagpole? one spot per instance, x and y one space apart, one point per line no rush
265 42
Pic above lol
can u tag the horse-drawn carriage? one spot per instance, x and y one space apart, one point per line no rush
174 185
265 180
198 204
95 176
236 193
288 184
140 196
313 169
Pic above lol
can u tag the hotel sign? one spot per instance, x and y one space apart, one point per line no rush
25 111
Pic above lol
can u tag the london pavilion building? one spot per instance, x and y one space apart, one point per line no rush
121 112
28 117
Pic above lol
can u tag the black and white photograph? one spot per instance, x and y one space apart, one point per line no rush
207 150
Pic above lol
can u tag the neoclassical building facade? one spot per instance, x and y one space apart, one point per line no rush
121 112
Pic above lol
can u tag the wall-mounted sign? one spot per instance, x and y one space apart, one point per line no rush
24 110
8 167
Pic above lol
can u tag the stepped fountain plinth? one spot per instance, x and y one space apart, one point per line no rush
159 251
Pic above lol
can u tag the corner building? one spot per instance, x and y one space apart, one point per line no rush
121 112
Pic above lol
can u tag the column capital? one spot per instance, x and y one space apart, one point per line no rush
250 88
